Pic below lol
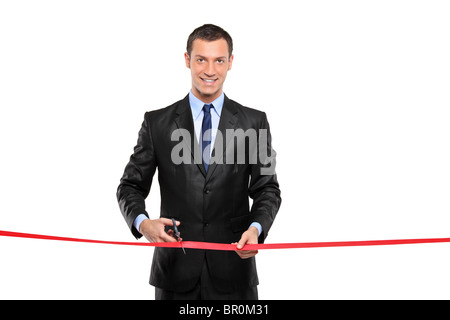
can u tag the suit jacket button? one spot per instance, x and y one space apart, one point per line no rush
206 191
205 224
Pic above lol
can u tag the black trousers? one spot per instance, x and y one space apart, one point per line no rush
204 290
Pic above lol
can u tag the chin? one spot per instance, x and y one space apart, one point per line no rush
208 92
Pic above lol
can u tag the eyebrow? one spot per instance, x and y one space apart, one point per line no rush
202 57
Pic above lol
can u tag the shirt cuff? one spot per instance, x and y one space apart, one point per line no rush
138 220
257 226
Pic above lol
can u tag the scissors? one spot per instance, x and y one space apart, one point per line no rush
177 233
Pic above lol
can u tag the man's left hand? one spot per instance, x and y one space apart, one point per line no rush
251 237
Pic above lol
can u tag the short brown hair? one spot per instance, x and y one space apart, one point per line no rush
209 32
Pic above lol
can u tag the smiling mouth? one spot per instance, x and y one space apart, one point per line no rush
209 80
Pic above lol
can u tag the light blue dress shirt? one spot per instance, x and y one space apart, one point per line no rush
197 117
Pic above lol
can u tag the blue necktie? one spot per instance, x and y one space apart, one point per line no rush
206 138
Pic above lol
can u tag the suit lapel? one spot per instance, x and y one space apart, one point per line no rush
184 120
228 120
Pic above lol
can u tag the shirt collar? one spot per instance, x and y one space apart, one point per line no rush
197 104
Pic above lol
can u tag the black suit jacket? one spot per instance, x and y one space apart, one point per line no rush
212 206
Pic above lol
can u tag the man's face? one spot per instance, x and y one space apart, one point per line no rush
209 63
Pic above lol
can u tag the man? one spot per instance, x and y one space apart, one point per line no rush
208 195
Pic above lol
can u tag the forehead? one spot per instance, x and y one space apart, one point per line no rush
216 48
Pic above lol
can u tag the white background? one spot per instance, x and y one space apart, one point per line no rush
357 96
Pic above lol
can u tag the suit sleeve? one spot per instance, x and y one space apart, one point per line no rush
264 188
137 178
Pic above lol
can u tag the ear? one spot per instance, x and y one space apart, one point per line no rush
187 60
230 62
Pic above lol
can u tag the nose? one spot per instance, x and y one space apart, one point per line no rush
209 71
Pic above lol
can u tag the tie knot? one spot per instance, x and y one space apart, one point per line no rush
207 108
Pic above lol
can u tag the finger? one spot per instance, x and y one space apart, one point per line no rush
166 222
250 255
242 255
247 253
166 238
242 241
169 222
171 233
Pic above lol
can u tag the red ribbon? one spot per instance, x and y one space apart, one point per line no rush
232 247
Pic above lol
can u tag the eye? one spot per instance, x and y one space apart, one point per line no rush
220 60
200 60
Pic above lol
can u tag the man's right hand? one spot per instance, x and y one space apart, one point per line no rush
153 230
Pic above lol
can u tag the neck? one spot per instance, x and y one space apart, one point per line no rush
205 97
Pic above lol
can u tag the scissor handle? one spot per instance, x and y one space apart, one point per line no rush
175 229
